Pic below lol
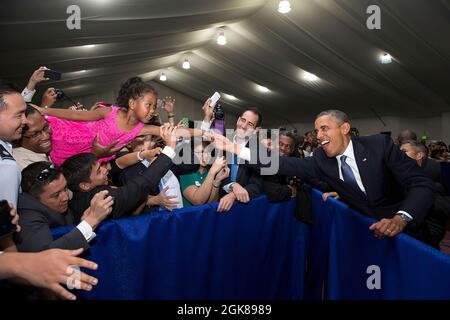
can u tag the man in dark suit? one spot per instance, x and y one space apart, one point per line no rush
418 152
370 174
436 220
44 205
279 187
244 183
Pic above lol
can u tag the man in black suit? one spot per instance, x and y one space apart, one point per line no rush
436 220
44 205
418 152
244 183
370 174
279 187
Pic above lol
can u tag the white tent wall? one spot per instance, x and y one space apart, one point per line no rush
435 128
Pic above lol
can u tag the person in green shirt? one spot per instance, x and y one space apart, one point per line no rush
202 186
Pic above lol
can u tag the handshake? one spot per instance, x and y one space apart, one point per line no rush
221 142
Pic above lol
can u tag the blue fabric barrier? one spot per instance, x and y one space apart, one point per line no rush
255 251
408 268
445 166
258 251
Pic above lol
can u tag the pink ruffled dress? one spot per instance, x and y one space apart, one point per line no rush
73 137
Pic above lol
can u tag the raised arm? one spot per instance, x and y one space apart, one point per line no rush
201 195
179 132
97 114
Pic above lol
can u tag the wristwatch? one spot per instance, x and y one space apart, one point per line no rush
404 217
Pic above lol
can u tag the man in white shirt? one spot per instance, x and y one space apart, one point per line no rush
30 89
12 120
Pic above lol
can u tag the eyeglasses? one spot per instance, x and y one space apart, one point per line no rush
281 144
38 134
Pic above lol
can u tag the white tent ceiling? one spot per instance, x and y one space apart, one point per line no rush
326 37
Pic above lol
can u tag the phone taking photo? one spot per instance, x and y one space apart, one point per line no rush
214 98
52 74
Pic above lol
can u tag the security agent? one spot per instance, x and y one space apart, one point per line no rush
12 119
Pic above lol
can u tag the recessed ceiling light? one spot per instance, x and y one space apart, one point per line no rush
308 76
386 58
263 89
82 71
162 77
284 6
221 39
89 46
230 97
186 64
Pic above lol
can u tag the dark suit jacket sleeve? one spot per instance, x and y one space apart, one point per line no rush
127 197
255 185
419 188
274 190
36 236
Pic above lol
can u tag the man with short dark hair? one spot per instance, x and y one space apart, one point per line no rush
406 135
36 141
44 205
243 183
12 120
280 187
86 176
418 152
370 173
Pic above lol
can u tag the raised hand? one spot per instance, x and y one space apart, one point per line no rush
36 77
163 200
223 174
150 154
104 151
48 98
218 165
169 105
101 207
167 132
207 110
53 268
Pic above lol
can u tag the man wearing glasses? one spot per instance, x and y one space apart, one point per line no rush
36 140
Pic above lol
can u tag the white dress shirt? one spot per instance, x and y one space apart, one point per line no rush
351 161
86 230
28 94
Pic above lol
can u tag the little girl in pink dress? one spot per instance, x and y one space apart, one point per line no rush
76 134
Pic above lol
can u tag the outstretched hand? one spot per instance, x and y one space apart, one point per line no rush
104 151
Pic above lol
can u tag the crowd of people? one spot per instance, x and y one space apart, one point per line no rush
72 166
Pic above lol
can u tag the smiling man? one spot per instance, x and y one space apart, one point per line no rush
44 204
370 173
12 121
36 142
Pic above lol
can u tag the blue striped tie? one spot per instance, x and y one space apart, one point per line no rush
347 174
234 168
